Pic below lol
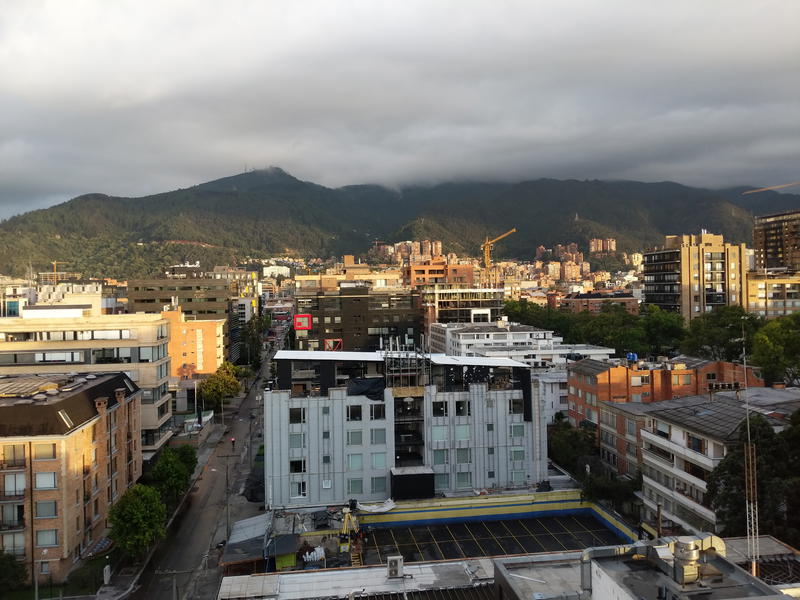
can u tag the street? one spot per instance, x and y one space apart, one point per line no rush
185 565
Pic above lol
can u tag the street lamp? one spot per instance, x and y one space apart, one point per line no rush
35 574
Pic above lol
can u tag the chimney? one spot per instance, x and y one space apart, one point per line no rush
101 404
119 393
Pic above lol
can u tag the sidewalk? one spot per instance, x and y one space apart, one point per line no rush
124 581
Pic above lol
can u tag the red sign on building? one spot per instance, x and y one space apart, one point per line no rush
302 322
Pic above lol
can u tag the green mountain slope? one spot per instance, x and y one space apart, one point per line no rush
269 211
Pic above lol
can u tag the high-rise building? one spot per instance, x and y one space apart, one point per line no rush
436 247
50 339
435 271
195 347
776 241
693 274
356 316
69 448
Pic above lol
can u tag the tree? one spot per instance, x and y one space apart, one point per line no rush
187 454
138 519
726 484
12 572
169 476
220 385
568 445
718 335
776 349
663 330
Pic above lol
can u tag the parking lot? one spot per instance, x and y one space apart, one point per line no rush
486 538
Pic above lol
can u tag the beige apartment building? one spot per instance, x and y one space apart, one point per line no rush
773 295
69 448
195 347
693 274
69 338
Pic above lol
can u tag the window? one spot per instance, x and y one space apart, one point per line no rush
326 435
378 485
490 427
377 436
355 486
516 453
490 475
439 408
45 509
44 567
463 408
441 481
355 462
695 443
462 432
440 457
630 426
517 430
354 438
354 412
517 477
439 433
14 455
297 415
463 480
47 537
490 451
711 376
297 489
326 459
297 440
515 406
379 460
45 481
326 410
463 456
44 451
377 412
297 466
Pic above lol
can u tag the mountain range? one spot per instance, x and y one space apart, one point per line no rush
267 212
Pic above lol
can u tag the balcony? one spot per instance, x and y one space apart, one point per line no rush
12 494
660 455
12 524
14 464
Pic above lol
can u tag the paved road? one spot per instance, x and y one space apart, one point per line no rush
190 547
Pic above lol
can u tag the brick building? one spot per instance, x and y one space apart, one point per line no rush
69 448
592 382
593 302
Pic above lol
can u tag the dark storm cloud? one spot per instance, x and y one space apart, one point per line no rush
134 98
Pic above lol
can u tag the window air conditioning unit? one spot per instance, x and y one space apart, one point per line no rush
394 565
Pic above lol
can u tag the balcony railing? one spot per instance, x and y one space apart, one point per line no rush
11 524
660 455
12 494
12 464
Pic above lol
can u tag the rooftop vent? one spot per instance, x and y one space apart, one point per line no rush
90 376
40 397
52 392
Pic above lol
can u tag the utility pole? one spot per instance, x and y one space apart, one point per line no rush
227 494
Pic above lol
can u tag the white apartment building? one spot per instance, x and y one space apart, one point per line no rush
538 348
683 441
69 338
373 425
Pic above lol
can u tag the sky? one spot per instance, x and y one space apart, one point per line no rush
131 98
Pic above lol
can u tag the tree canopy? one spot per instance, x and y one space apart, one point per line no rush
778 482
12 572
138 519
170 475
220 385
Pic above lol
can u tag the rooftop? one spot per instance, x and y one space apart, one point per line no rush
437 359
55 404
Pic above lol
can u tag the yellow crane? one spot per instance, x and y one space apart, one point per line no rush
55 264
489 244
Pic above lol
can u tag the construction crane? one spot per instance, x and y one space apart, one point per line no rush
487 255
772 187
489 244
55 264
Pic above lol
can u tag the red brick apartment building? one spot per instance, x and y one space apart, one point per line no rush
593 381
437 270
593 302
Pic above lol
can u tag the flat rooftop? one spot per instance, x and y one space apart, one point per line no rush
437 359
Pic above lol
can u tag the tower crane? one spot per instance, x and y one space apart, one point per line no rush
55 264
489 244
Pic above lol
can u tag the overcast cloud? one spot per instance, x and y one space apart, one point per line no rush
131 98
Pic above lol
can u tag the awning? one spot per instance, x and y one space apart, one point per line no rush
282 544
